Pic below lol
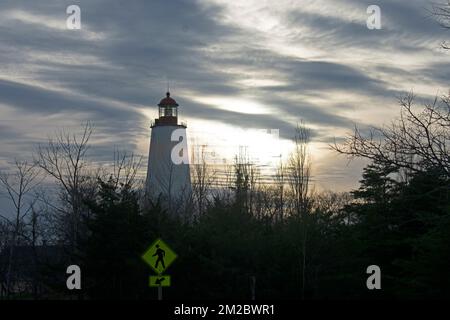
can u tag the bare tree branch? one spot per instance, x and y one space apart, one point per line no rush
64 159
19 186
416 141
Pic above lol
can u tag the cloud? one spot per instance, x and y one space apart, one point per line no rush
308 60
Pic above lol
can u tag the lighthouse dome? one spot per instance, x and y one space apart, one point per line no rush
168 101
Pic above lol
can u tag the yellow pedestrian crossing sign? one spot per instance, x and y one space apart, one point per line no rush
159 256
159 281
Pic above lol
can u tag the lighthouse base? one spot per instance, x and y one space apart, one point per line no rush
168 174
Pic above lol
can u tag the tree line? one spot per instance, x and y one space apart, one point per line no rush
246 240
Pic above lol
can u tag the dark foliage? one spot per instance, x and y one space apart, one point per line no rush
403 227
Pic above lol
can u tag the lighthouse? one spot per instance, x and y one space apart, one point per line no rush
168 175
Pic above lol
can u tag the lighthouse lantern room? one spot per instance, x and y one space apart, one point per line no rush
168 111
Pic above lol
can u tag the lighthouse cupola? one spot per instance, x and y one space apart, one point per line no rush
168 111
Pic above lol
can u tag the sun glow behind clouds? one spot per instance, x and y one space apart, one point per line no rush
240 105
262 147
223 142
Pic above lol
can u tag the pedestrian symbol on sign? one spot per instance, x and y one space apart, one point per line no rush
160 253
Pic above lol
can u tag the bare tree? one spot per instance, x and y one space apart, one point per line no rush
4 232
18 188
441 12
255 188
64 159
280 192
298 173
125 168
224 182
202 178
246 180
265 203
331 203
417 141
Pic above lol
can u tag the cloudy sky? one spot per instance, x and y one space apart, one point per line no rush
232 66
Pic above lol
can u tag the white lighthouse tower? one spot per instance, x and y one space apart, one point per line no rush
168 175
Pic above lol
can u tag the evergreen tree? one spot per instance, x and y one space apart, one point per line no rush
117 239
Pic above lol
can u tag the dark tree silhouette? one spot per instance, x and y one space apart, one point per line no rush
417 141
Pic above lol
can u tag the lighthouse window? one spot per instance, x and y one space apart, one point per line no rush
168 112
